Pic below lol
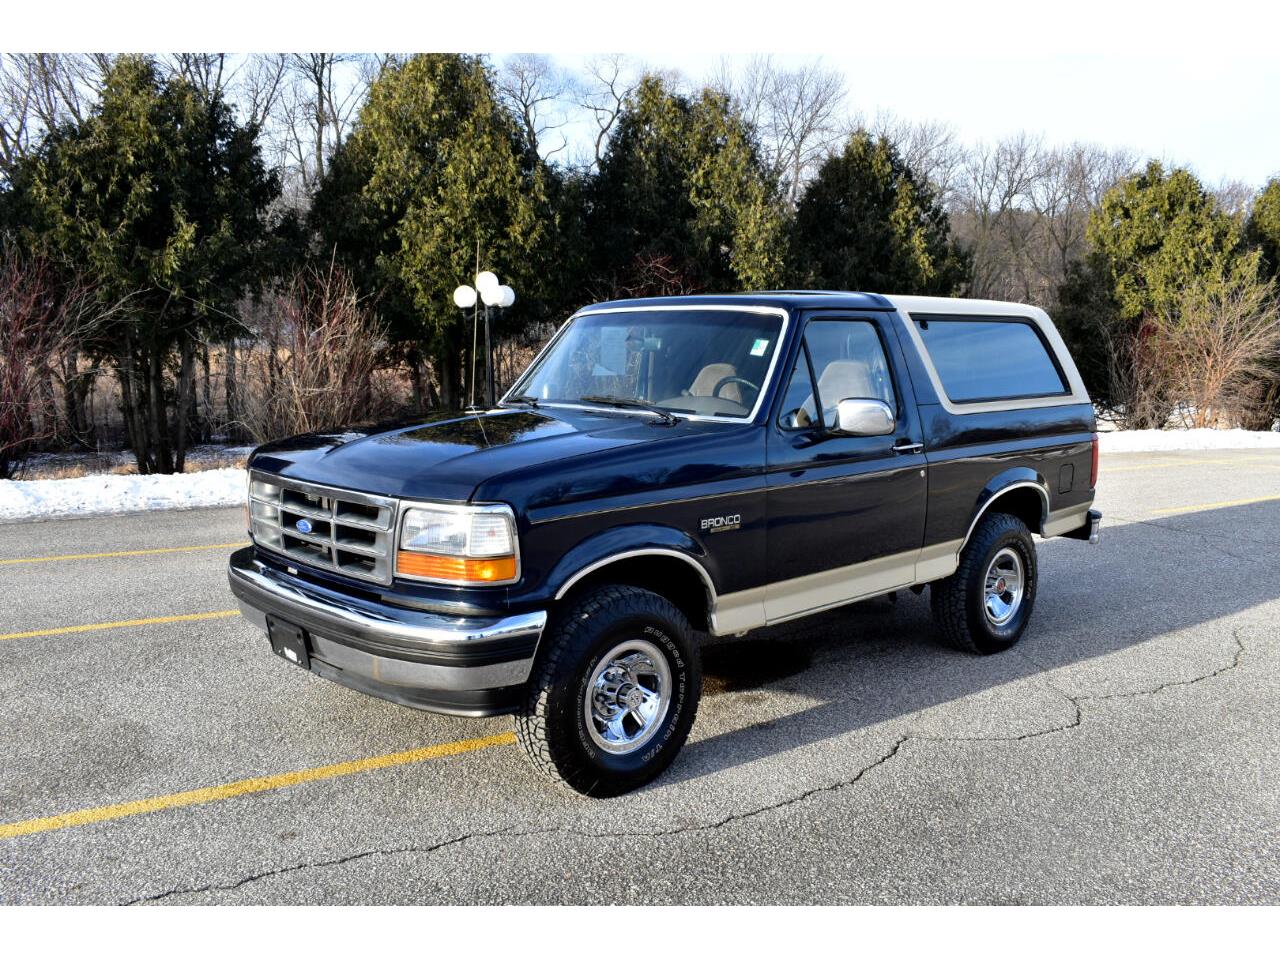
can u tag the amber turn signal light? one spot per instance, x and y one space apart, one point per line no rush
432 566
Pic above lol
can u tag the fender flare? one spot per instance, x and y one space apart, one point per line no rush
1017 478
626 542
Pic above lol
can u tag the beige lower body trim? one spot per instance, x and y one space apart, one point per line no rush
938 561
801 596
738 612
831 588
1064 521
788 599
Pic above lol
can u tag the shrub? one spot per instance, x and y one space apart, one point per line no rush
317 364
41 322
1215 346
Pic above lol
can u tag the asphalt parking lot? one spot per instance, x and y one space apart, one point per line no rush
1128 750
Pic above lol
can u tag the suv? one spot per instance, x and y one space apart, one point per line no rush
667 467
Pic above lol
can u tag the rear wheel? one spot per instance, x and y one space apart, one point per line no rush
613 694
985 606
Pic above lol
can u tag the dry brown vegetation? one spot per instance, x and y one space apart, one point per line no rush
1214 349
318 361
42 379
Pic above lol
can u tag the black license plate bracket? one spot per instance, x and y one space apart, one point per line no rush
288 640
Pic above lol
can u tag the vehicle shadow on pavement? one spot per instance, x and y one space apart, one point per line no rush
873 663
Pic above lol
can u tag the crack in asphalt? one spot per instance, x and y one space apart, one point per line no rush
315 864
902 740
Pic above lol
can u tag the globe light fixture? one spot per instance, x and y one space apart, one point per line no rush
492 293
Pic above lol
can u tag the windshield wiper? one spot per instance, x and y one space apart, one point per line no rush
635 404
526 399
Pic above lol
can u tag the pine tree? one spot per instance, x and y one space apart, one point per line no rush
435 166
1155 236
1263 229
866 222
682 182
158 197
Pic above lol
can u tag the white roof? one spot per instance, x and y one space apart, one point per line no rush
911 304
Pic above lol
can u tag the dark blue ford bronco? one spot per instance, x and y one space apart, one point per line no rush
665 467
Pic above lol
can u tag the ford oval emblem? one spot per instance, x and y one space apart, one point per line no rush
303 525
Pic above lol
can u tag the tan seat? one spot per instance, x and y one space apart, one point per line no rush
705 382
842 380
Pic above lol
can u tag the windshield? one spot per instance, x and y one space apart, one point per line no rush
704 362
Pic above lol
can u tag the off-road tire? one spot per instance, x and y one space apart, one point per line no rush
550 723
958 602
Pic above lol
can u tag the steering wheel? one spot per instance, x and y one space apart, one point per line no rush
725 381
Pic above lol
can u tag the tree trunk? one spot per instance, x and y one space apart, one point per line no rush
133 404
206 422
230 386
413 359
184 402
157 419
448 371
75 396
432 393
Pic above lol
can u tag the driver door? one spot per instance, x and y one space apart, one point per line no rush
845 513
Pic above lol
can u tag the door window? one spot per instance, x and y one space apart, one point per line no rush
838 360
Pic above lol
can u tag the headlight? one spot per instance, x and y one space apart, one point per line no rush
461 545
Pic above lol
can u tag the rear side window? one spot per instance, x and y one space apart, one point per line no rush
990 359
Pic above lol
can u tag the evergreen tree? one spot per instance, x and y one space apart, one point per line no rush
867 222
1263 229
682 181
435 166
158 196
1154 236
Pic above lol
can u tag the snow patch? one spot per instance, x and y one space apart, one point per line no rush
1147 441
114 493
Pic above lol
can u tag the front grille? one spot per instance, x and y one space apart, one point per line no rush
350 532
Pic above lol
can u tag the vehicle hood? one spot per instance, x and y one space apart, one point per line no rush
448 457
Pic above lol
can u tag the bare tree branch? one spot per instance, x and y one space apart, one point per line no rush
536 91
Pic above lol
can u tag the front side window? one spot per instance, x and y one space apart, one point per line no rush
849 362
981 360
703 362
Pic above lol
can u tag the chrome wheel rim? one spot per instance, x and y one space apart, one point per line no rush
1005 586
628 696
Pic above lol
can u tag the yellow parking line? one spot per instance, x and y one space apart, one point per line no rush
115 624
124 553
1105 470
239 788
1216 506
1163 464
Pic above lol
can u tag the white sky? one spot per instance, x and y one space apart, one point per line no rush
1189 81
1218 115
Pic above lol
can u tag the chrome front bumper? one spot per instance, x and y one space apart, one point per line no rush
473 666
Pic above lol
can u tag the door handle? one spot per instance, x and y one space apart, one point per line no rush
906 446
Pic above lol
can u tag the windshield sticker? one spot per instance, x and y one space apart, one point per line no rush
759 347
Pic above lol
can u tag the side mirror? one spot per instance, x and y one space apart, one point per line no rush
864 418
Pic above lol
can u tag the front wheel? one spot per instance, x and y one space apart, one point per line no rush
613 694
985 605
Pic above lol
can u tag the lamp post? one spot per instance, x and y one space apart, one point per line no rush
494 294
